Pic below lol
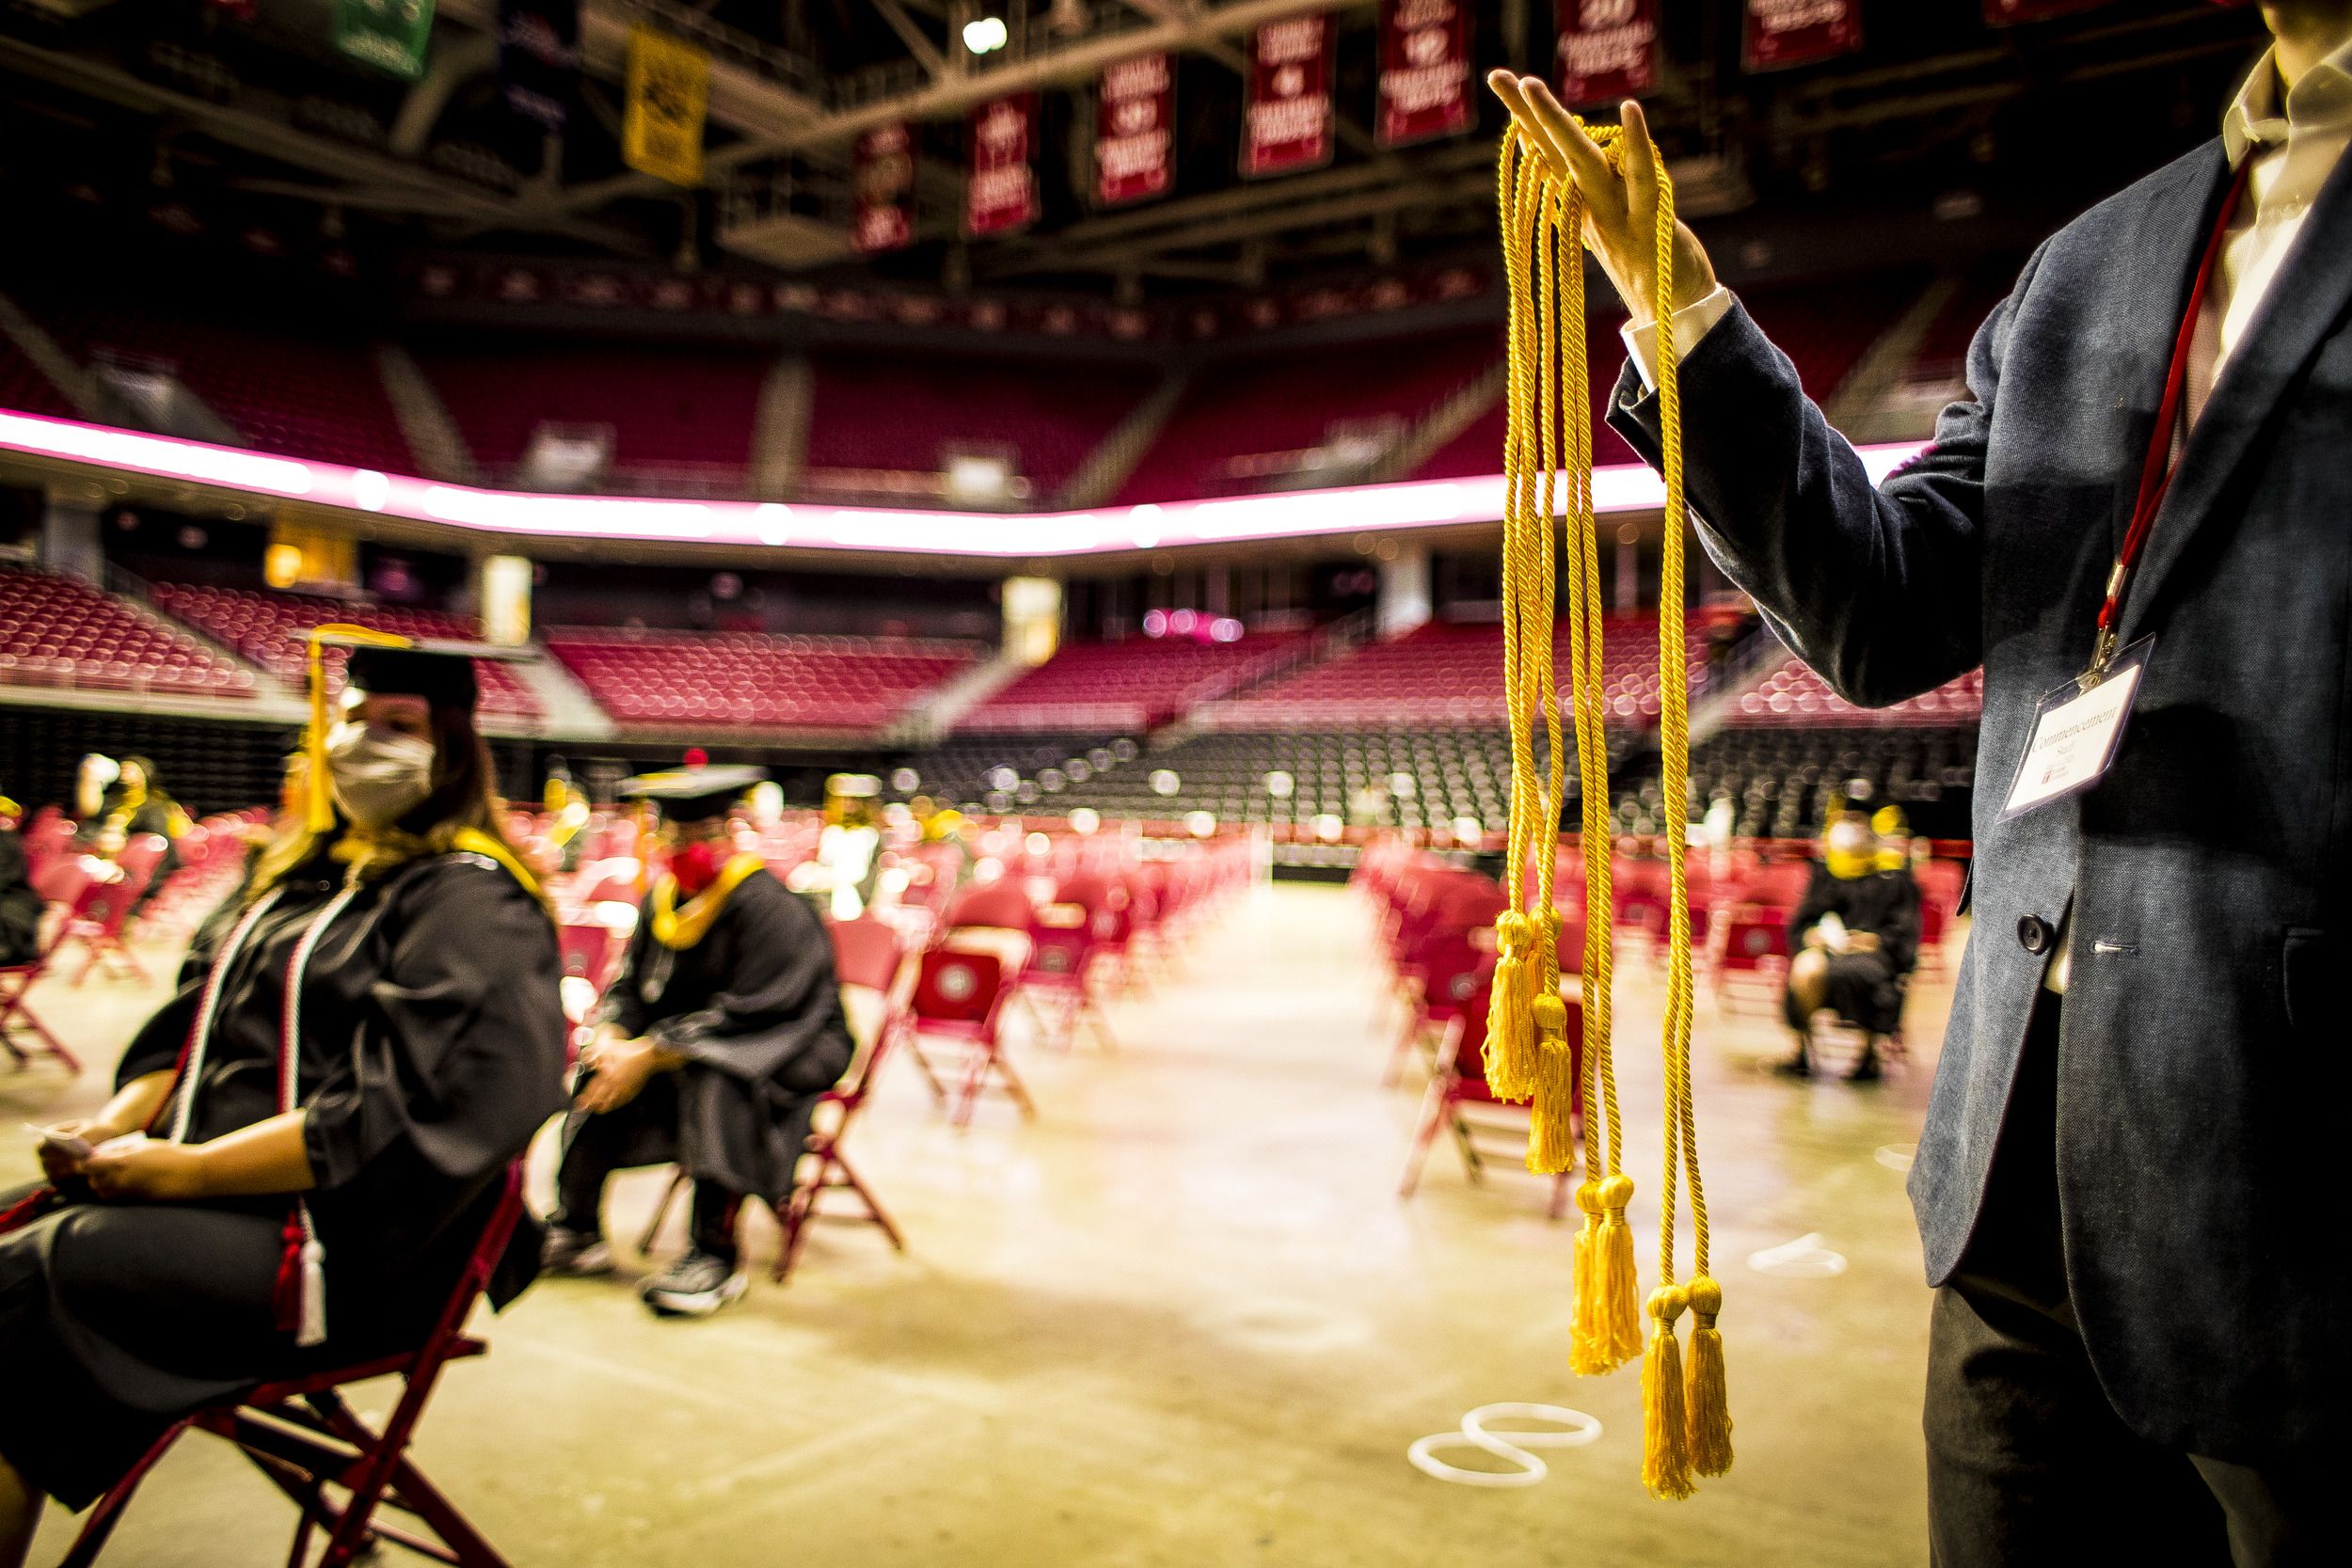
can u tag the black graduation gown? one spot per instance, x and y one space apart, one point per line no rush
754 1008
20 906
1862 987
433 1043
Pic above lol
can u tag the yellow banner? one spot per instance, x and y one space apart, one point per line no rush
669 93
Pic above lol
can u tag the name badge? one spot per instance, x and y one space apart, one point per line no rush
2078 730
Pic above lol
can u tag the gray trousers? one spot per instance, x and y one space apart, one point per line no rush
2026 1460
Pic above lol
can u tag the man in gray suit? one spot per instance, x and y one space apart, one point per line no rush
2128 1187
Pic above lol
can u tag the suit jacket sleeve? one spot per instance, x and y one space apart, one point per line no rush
1877 589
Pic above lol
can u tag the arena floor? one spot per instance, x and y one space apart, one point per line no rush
1182 1320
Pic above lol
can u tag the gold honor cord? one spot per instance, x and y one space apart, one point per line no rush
1548 463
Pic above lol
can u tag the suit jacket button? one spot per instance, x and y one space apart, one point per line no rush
2033 933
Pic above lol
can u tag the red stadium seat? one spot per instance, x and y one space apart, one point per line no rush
106 911
58 631
959 1000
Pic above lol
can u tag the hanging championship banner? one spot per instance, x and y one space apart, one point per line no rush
884 219
1797 32
1135 154
1608 50
389 35
1001 191
669 93
2000 14
1287 124
539 57
1425 71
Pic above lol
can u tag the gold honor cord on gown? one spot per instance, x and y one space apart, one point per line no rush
1548 461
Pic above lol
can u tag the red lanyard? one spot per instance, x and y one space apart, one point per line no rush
2156 472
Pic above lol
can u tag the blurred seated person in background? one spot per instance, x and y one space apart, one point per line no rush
710 1049
305 1142
117 803
1853 939
849 847
20 905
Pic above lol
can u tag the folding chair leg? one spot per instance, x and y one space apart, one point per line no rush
922 1063
865 1195
661 1211
1433 1113
1012 1084
1558 1207
1473 1164
1098 1021
1402 1051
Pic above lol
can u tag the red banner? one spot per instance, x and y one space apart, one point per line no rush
2001 13
1001 193
1135 113
1608 50
1798 32
885 189
1424 70
1287 124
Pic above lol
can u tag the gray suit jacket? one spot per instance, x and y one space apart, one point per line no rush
2204 1090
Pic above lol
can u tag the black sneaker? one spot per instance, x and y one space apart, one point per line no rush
574 1253
1867 1070
695 1286
1798 1066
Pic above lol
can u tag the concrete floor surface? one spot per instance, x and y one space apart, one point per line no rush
1181 1320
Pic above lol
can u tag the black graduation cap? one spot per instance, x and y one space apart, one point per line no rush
385 665
694 794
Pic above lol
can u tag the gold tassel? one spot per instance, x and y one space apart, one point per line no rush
1665 1438
1616 1284
1587 1350
1510 1054
1707 1406
1551 1134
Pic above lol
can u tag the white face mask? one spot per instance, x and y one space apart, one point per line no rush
379 775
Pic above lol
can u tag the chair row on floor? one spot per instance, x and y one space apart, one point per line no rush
1052 926
1435 925
93 902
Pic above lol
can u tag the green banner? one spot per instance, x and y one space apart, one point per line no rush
389 35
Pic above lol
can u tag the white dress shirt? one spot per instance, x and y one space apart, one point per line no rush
2294 154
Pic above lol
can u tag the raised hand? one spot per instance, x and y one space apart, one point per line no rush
1620 204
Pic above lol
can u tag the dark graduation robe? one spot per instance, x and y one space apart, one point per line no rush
432 1049
1862 987
20 905
754 1010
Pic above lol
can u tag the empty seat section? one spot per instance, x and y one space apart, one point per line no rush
1477 451
1453 675
268 628
305 393
755 679
877 414
1253 423
1125 687
58 631
1790 693
685 415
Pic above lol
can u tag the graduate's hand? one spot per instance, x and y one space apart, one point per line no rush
1620 209
1862 942
58 1161
152 1170
620 1069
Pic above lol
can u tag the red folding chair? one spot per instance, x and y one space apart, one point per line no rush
1057 984
107 909
960 998
1461 1087
868 956
1749 956
72 880
304 1436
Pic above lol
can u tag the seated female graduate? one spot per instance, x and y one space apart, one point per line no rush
1853 939
308 1140
711 1048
